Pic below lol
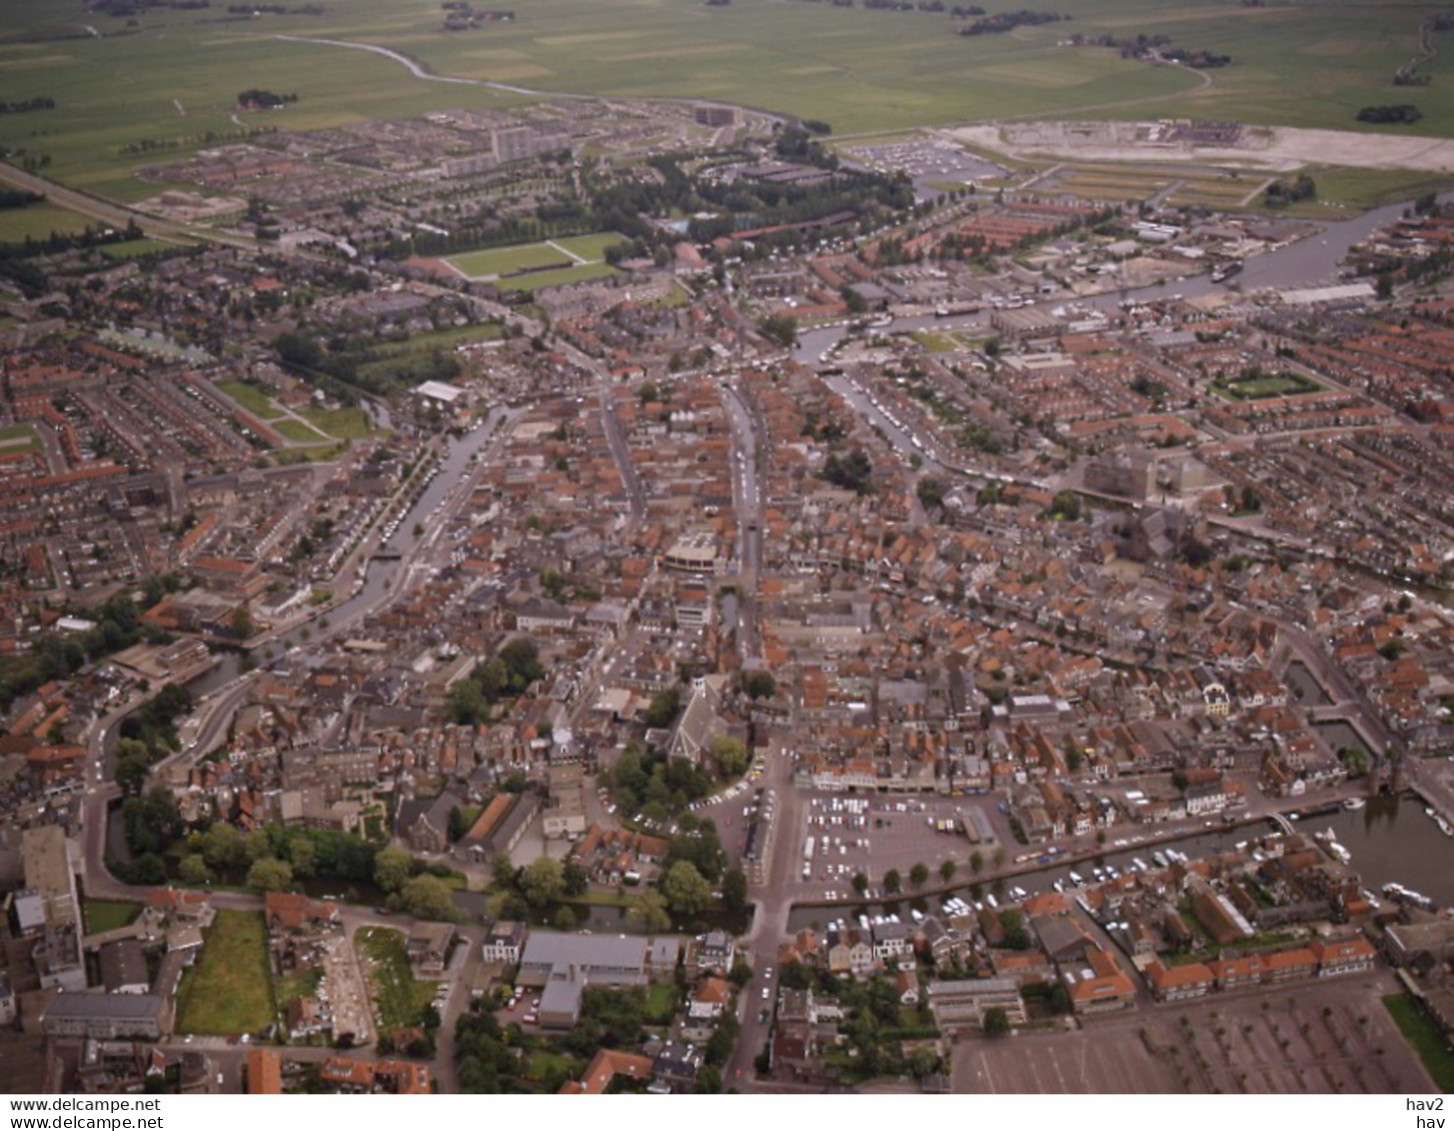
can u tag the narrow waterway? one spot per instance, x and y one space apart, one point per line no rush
1390 840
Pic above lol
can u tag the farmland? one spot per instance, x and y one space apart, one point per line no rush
170 84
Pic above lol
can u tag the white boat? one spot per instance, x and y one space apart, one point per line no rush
1354 803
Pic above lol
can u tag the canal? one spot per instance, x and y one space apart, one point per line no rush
1390 839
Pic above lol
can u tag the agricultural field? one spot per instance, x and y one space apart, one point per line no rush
168 86
230 989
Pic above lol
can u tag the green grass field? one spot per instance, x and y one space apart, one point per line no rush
230 989
18 438
503 260
37 221
251 398
398 999
174 77
104 914
1264 387
591 248
1422 1034
131 249
298 432
340 423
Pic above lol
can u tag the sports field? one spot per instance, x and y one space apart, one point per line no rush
507 260
172 80
563 253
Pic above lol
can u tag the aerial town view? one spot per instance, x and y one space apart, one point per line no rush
726 546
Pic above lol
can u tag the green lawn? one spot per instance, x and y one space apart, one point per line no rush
298 432
340 423
108 914
399 1000
251 398
18 437
1424 1036
230 989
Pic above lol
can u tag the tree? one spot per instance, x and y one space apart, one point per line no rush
256 844
734 889
192 869
427 897
663 708
1180 780
152 821
919 874
892 881
392 868
947 870
759 685
303 856
731 755
269 874
647 913
575 878
860 882
976 861
502 870
996 1022
930 492
542 881
223 847
780 329
686 890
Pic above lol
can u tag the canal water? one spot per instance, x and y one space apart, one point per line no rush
1390 840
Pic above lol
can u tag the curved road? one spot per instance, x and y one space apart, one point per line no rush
419 71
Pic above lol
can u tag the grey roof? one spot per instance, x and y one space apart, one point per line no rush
123 963
110 1007
614 952
562 995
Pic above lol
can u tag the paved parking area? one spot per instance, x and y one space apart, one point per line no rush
875 833
1322 1037
1098 1061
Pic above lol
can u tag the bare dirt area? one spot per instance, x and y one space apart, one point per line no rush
1326 1037
1279 148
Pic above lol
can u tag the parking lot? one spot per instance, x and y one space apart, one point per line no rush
874 834
1318 1037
